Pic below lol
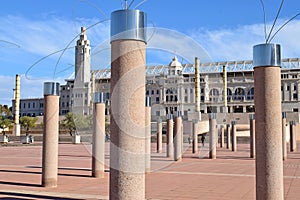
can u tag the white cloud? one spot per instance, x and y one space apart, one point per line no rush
37 39
236 43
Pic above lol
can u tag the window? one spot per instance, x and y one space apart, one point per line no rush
185 99
41 105
29 105
295 87
288 88
157 91
24 105
157 113
157 99
152 92
33 105
295 96
147 92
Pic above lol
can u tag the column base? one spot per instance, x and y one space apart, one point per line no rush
49 183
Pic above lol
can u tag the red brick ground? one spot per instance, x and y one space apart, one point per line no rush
230 176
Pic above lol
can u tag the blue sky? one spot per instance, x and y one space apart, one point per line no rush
224 29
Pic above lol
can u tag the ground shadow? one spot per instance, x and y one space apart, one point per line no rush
19 184
62 168
35 196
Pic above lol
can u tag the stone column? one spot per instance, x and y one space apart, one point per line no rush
170 135
98 147
284 149
268 140
159 136
252 135
17 128
195 136
50 137
148 134
178 137
127 146
228 133
213 139
293 142
233 135
222 130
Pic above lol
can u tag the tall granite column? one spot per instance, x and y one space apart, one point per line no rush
195 136
170 135
252 135
284 148
178 137
159 136
228 133
98 148
233 135
128 70
293 142
213 139
268 140
148 134
50 137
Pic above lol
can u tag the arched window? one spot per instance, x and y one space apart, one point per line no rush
214 95
250 94
239 94
214 92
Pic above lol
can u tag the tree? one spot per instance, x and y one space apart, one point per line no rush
5 111
69 123
5 123
75 122
28 122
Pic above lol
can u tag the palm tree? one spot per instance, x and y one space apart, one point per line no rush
28 122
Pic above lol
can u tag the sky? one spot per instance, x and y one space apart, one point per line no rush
38 37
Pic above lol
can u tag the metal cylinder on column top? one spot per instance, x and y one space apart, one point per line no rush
128 71
148 134
98 148
268 140
233 136
178 137
293 142
252 135
50 136
170 135
195 136
213 139
284 148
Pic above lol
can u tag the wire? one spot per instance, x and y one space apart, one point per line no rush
265 19
139 4
284 26
10 43
131 3
279 10
41 59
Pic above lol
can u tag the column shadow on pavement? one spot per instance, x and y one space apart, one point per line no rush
22 196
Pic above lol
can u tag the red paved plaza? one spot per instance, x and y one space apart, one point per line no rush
230 176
